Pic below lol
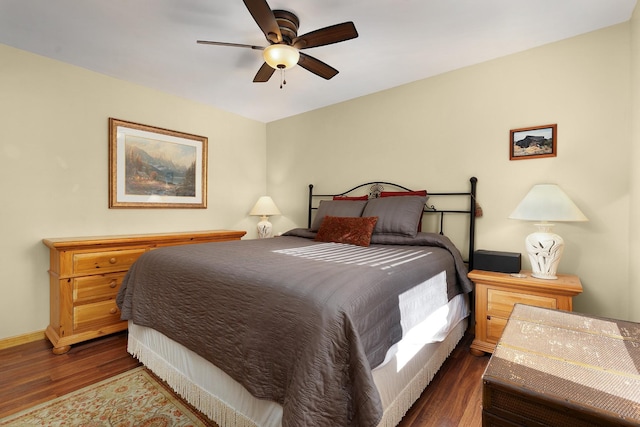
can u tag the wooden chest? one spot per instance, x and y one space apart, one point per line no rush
555 368
85 275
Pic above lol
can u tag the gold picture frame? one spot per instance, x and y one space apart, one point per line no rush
152 167
533 142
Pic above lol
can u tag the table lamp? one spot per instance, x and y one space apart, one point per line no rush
544 203
264 208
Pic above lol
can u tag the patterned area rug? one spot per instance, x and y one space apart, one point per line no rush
134 398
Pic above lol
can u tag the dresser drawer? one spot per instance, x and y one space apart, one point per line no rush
97 287
500 302
102 262
88 317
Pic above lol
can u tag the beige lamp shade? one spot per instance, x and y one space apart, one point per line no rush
547 202
264 207
543 203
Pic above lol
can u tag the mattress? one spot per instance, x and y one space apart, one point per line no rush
407 369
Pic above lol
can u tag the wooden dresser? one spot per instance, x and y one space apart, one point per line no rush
497 293
85 274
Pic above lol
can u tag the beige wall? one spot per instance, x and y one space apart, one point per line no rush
432 134
437 132
634 254
54 173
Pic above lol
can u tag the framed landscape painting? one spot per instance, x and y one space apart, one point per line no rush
151 167
533 142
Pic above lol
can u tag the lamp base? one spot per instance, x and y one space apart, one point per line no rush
545 250
265 229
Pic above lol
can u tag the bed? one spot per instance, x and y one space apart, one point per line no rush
342 323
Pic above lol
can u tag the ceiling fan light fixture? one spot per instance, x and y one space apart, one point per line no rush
281 56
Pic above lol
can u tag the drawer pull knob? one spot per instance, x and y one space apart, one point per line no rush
112 260
113 283
113 310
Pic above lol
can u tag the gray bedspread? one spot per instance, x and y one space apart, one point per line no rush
300 330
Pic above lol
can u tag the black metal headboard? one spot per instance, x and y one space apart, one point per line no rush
376 187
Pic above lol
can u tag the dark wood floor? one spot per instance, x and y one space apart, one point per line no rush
31 374
454 397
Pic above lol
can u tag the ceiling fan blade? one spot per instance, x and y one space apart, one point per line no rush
248 46
316 66
264 74
263 15
328 35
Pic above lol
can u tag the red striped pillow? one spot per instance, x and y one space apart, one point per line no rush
403 193
365 197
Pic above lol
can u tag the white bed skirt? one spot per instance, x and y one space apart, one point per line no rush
401 379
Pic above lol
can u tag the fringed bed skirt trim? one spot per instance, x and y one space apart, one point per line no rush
412 392
227 416
208 404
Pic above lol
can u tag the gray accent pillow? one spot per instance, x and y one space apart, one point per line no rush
348 208
396 215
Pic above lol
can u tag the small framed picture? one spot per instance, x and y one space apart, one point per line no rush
151 167
533 142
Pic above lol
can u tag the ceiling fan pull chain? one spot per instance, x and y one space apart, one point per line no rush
282 78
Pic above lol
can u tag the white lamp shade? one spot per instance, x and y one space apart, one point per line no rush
264 207
543 203
547 202
281 56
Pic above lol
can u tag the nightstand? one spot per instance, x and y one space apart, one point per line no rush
497 293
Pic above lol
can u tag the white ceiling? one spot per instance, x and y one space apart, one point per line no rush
153 42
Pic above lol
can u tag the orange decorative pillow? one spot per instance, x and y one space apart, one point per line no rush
351 230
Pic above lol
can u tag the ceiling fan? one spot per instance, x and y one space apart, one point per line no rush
280 27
